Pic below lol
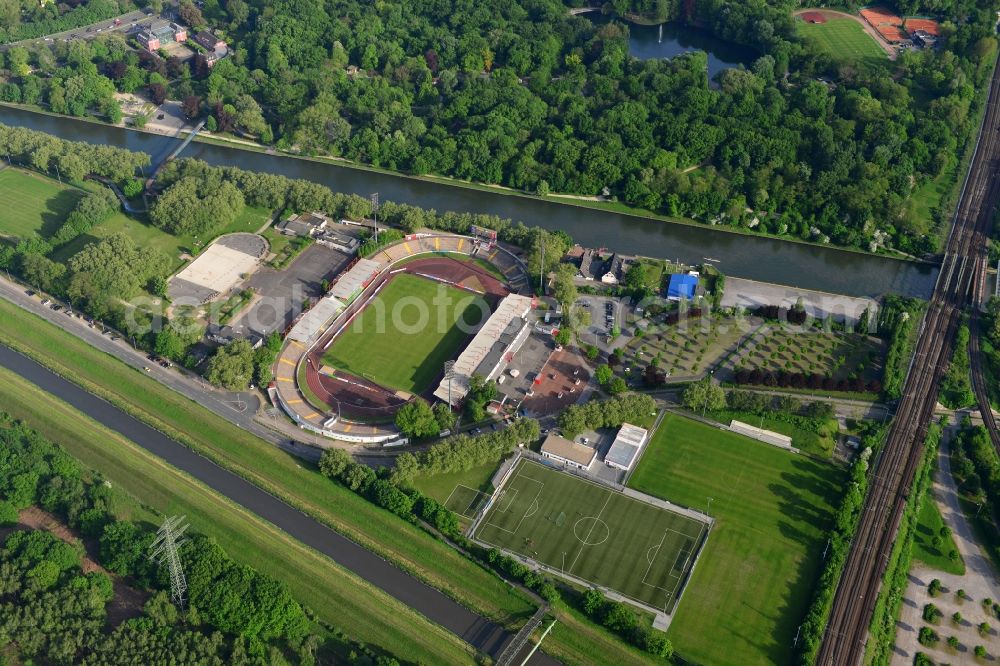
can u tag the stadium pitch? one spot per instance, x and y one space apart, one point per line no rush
403 337
582 529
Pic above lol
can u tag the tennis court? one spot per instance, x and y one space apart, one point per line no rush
642 551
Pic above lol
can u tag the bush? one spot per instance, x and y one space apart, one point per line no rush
928 637
8 514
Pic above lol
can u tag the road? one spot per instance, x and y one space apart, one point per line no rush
129 22
960 282
239 408
479 632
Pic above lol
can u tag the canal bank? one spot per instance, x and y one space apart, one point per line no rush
752 257
483 634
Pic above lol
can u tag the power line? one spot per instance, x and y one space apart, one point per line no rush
163 551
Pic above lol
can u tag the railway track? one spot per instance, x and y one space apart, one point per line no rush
960 282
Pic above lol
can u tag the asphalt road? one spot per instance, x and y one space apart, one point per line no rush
128 22
476 630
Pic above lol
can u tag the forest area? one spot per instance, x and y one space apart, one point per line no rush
232 615
519 93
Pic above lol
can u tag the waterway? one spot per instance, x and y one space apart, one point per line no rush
752 257
474 629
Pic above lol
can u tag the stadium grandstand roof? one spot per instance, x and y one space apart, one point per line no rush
350 284
313 323
482 348
626 447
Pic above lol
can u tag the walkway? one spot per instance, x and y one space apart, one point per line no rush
979 582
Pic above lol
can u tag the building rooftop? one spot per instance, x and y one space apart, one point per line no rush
681 286
626 446
512 307
563 448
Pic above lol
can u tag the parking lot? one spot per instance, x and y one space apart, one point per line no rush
605 313
279 295
527 363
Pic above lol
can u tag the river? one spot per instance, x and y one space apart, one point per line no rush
753 257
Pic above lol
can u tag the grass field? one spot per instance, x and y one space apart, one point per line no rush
813 436
146 235
575 640
755 577
441 486
339 597
843 39
594 533
287 477
935 552
405 334
33 204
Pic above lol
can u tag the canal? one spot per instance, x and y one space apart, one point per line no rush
752 257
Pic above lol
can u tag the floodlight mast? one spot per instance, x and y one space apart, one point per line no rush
449 374
374 199
164 549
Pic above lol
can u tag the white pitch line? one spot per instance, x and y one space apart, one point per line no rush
596 518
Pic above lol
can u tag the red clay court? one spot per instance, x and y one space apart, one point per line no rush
360 399
929 26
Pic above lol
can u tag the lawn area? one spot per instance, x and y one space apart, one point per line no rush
934 552
146 235
753 583
302 486
284 476
589 531
404 335
339 597
33 204
808 434
441 486
843 39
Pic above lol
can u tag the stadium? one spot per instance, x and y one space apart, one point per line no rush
382 334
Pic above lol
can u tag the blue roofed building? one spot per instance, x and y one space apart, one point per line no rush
682 286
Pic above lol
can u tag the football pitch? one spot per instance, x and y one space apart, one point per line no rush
844 39
403 337
585 530
32 203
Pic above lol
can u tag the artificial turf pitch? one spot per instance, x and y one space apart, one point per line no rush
403 337
585 530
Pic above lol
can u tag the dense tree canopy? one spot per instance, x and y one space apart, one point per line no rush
196 207
522 94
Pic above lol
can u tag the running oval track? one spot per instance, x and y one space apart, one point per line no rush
476 630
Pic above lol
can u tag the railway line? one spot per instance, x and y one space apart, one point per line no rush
960 282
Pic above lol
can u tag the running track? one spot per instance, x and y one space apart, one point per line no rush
479 632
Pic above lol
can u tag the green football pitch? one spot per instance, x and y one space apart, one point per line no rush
585 530
32 203
844 39
402 338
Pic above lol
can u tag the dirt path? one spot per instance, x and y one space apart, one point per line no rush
127 601
831 14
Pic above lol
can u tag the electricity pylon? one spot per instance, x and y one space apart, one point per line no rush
163 550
